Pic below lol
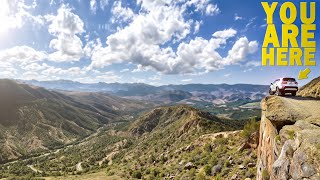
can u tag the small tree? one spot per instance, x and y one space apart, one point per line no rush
251 127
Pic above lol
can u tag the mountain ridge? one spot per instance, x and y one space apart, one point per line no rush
35 119
189 93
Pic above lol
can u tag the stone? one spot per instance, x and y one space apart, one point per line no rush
235 176
189 166
216 169
251 165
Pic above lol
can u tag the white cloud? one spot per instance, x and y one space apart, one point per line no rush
197 25
7 73
240 50
247 70
225 34
34 67
253 64
121 14
140 41
15 13
204 6
65 26
93 6
237 17
125 70
30 75
104 4
212 9
186 80
21 54
227 75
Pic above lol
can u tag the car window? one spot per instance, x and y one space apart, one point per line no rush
289 79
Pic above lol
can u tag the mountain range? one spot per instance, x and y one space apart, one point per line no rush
46 133
33 119
189 93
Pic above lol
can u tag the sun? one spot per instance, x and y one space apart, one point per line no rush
7 19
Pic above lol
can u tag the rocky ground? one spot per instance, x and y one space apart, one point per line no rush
289 145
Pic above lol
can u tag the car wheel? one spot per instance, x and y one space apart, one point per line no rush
278 92
271 92
294 93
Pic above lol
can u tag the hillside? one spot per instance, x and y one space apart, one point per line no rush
34 119
312 89
178 142
180 118
183 142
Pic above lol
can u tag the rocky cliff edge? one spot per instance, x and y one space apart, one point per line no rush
289 140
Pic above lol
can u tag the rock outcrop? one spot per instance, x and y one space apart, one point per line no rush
289 142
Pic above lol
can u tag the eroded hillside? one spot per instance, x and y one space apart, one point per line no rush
176 142
34 119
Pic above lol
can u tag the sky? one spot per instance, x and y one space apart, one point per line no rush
155 42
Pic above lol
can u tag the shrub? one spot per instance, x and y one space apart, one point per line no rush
251 127
291 134
207 147
278 138
137 174
265 175
207 169
201 176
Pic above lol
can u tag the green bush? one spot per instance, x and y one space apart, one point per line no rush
137 174
207 169
201 176
265 175
278 138
291 134
251 127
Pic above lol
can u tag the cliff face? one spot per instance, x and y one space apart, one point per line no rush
289 142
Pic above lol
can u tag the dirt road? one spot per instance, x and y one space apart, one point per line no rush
288 108
308 107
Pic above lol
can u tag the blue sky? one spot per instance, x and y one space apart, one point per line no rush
153 42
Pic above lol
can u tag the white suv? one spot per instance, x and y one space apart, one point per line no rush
282 86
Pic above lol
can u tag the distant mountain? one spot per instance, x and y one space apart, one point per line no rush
34 119
189 93
312 89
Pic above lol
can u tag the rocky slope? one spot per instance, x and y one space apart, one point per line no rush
312 89
289 144
181 142
176 142
34 119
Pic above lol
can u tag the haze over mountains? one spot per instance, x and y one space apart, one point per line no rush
217 93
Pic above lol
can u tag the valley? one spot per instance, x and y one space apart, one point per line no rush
114 137
117 130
